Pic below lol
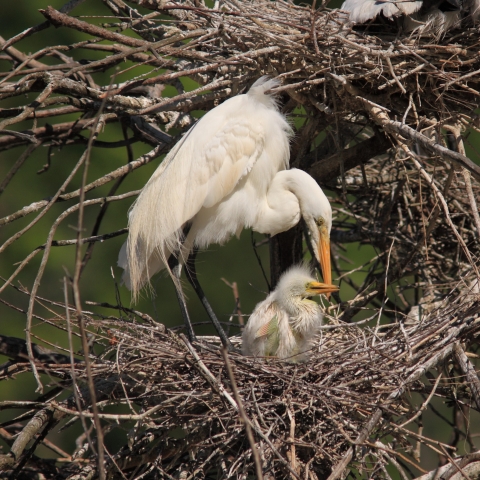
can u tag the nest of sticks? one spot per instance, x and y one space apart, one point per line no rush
383 122
198 412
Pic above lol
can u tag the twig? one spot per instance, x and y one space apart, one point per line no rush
469 371
217 386
246 421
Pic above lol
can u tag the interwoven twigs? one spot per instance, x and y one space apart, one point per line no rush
332 397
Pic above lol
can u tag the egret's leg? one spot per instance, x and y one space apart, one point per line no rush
192 278
176 268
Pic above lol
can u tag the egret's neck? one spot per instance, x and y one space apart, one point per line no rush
302 312
280 209
292 194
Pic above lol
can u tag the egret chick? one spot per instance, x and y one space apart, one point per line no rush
285 323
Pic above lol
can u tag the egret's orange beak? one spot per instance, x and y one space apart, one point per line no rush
318 288
324 254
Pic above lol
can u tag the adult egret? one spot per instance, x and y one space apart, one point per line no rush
227 173
422 16
285 323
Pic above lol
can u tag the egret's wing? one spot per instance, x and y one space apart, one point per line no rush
273 339
204 168
269 332
255 333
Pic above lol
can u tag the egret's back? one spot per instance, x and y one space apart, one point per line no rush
242 142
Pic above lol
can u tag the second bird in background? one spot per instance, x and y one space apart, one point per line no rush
284 325
425 17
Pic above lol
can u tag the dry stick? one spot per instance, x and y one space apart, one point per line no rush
52 112
60 19
380 117
41 26
143 160
207 374
107 416
243 416
49 131
43 52
385 452
236 297
395 78
436 212
469 371
426 441
167 102
47 91
17 55
436 148
144 46
463 462
80 89
20 135
443 202
454 464
459 79
424 404
34 428
65 243
41 269
401 77
143 23
72 369
376 417
293 455
99 124
467 177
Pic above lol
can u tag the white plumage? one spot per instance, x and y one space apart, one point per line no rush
425 17
284 325
227 173
363 10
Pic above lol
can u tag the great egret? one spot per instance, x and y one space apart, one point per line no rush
285 323
227 173
423 16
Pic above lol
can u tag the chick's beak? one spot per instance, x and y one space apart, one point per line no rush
323 254
318 288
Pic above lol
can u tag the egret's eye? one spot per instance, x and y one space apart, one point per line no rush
320 222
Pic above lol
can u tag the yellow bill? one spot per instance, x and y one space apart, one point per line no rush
324 255
319 288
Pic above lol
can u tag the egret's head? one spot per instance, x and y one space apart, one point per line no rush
299 282
317 213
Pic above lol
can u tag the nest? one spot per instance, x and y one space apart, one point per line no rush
189 409
383 121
